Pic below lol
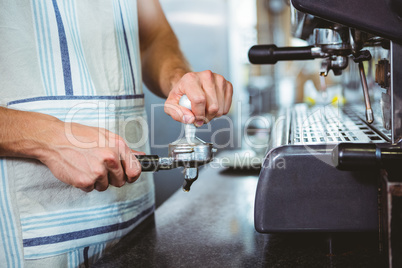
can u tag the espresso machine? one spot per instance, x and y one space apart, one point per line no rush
334 167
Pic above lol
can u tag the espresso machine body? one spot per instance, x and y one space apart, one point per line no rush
378 17
336 168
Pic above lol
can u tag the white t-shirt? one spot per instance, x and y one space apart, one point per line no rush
78 61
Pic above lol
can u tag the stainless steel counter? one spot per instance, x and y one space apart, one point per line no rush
212 226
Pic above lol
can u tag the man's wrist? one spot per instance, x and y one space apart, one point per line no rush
28 134
174 78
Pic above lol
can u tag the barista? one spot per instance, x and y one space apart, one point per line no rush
70 83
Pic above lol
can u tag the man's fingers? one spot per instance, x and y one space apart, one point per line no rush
131 165
88 189
116 176
98 180
228 97
192 87
212 100
179 113
102 184
210 95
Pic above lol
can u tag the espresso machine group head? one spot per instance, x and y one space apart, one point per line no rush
338 31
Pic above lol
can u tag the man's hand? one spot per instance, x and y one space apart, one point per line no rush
167 73
91 158
85 157
210 95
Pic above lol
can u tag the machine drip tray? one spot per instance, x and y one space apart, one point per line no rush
332 125
299 187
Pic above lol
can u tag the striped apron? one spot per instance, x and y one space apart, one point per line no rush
77 61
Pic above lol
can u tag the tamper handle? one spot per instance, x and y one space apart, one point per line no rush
189 128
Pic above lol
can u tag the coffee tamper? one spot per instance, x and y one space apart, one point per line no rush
189 152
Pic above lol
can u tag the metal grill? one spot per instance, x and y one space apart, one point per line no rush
356 113
329 124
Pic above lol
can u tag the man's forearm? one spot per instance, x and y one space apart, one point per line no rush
163 63
167 73
53 142
25 134
163 66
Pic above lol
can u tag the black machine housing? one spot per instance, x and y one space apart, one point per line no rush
311 195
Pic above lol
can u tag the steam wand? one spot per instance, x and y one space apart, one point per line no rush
359 57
